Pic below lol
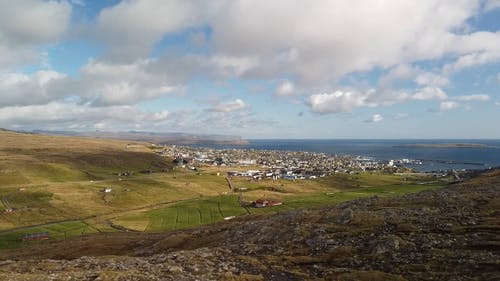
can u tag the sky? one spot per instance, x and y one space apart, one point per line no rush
253 68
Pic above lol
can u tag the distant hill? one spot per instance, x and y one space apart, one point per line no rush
29 158
153 137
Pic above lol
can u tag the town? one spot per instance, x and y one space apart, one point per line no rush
277 164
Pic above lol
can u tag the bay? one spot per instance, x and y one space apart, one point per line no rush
433 158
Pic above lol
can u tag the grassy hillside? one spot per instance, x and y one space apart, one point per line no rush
437 234
47 178
31 158
52 184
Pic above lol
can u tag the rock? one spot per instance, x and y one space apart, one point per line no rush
346 216
423 236
175 269
386 244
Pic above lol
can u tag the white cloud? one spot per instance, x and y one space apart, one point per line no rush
497 103
104 83
399 72
209 121
99 83
25 24
473 98
346 101
430 85
473 60
24 89
429 93
159 116
29 22
316 41
327 41
131 28
336 102
448 105
230 106
375 118
431 79
72 116
491 5
286 88
385 97
232 65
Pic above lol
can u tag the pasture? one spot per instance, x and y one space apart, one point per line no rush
56 185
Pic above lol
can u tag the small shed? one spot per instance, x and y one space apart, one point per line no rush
262 203
36 236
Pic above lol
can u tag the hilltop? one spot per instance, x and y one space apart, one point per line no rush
153 137
30 156
53 178
445 234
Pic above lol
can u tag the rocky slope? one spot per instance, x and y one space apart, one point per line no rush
447 234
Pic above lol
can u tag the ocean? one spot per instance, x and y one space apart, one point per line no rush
433 158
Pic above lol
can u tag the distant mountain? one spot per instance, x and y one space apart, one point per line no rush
153 137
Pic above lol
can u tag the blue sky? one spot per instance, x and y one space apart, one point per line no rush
253 68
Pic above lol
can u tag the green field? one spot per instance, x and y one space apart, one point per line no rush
129 201
185 214
58 182
55 231
203 211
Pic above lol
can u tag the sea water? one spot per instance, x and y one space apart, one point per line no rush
433 158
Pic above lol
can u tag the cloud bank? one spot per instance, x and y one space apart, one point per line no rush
306 51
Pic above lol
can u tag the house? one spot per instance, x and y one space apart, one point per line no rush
262 203
107 190
233 173
36 236
247 162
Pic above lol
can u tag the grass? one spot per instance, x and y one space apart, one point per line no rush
366 179
80 199
208 210
29 158
56 231
53 172
324 199
187 214
48 179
